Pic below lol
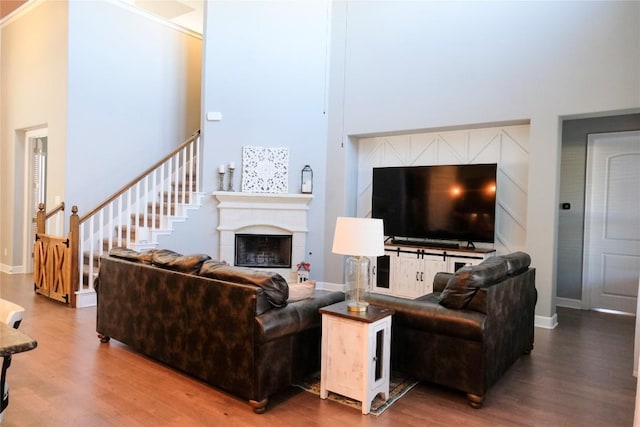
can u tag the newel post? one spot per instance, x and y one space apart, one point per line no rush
74 240
41 220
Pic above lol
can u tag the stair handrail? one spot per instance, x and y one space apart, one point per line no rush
42 216
131 183
128 200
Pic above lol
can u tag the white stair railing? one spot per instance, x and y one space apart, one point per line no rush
136 214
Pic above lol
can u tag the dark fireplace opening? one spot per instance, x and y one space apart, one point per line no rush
263 250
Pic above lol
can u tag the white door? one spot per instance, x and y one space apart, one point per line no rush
36 186
612 222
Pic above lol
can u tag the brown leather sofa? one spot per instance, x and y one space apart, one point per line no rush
471 329
231 327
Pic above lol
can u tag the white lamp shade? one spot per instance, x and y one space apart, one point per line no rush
358 237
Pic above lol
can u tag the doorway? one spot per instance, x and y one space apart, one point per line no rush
571 245
36 142
612 222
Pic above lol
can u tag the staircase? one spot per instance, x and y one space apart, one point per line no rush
135 216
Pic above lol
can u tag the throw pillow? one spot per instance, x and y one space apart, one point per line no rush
275 286
300 291
464 284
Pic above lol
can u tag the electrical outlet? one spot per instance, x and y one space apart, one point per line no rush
5 252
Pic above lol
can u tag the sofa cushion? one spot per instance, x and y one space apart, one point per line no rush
132 255
125 253
208 267
466 281
170 260
274 285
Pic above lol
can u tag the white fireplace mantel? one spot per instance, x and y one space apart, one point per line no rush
263 213
262 201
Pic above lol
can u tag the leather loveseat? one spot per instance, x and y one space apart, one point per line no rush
471 329
231 327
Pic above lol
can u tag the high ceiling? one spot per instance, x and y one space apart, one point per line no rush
186 13
8 6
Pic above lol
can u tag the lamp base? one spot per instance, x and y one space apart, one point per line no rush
357 306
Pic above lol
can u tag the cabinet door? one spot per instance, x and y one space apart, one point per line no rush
456 263
381 275
408 270
432 265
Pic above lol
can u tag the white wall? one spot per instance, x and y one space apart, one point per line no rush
134 94
116 89
34 86
265 71
427 65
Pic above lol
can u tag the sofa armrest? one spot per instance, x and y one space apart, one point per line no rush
294 317
425 314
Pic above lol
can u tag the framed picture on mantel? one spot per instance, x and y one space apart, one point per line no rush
265 170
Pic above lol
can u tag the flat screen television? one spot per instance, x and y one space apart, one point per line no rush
444 202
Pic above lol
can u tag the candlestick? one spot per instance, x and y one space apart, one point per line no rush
221 180
221 169
231 169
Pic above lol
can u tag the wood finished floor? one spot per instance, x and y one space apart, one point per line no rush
579 374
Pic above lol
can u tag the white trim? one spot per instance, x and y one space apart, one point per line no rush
131 8
328 286
32 4
20 11
546 322
86 299
11 269
569 303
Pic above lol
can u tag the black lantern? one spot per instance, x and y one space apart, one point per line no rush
307 180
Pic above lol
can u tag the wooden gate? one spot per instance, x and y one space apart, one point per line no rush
52 267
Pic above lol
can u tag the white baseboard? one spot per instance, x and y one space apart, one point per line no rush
546 322
86 299
11 269
328 286
569 303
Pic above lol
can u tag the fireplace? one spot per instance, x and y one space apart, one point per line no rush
280 217
263 250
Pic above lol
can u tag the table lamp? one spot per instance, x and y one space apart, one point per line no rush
359 238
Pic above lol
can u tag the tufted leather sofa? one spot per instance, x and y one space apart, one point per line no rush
231 327
471 329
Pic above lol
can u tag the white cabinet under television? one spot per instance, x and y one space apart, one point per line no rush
408 271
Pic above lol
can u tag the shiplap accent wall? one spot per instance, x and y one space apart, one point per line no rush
508 146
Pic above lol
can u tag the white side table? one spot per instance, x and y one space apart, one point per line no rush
355 353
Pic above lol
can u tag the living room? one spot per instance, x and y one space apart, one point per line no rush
323 91
365 70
